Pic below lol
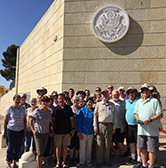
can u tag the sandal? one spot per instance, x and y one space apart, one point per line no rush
57 166
64 165
15 166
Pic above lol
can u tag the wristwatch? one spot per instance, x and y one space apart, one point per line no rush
150 119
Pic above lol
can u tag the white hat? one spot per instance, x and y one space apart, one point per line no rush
41 88
131 88
145 85
121 88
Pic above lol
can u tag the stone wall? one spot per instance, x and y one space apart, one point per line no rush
6 101
138 58
40 55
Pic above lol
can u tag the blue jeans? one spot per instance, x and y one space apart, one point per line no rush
14 141
28 138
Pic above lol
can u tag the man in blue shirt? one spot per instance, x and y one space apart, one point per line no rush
132 126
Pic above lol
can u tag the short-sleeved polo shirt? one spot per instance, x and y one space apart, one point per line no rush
146 110
62 119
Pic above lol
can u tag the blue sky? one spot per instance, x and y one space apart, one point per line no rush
17 20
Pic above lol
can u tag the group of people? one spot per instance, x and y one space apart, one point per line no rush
85 125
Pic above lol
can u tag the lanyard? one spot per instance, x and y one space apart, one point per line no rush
108 106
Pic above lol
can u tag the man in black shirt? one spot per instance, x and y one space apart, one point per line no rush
63 128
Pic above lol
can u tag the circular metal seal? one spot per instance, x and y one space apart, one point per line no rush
110 23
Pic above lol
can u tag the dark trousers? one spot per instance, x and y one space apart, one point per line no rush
28 139
14 141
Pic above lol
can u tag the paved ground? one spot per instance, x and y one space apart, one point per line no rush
160 159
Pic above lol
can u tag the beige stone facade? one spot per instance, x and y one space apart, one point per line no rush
5 101
40 57
78 59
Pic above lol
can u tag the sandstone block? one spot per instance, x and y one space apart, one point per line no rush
137 14
155 14
158 3
136 4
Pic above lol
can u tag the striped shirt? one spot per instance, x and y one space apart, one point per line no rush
16 116
42 120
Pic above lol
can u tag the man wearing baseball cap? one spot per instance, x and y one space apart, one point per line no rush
147 112
132 127
122 95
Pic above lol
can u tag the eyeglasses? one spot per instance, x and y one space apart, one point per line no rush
23 97
97 90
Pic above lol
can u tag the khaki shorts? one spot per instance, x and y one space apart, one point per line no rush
41 143
62 140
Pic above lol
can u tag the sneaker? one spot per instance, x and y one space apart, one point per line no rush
71 163
112 154
46 162
144 166
137 165
81 166
89 164
120 158
131 162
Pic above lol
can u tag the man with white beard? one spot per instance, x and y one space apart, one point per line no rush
121 123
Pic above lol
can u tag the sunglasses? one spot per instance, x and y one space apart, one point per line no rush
45 101
110 88
23 97
131 92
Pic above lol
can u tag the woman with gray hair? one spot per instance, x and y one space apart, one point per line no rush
74 140
14 130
